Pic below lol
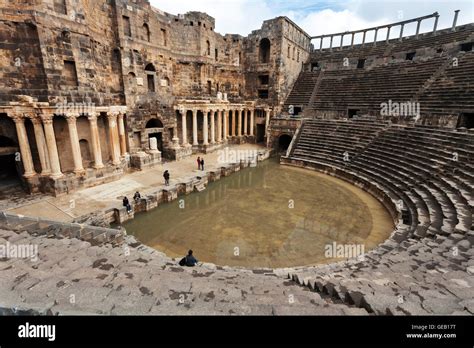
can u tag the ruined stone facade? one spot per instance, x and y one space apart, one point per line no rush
85 85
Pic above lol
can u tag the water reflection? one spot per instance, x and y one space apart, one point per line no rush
268 216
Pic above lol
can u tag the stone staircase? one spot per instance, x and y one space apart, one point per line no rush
54 229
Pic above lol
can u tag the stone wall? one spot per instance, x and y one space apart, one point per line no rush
101 56
289 48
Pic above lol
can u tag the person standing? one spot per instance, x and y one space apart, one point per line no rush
202 164
199 163
166 175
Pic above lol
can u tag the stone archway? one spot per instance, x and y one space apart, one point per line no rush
284 142
154 128
10 168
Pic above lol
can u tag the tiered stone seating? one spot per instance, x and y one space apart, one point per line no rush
302 89
368 89
453 91
441 88
431 171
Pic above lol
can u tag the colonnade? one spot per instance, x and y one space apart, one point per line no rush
47 147
218 124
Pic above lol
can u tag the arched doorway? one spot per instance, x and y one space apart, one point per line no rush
154 129
284 142
10 168
265 47
150 73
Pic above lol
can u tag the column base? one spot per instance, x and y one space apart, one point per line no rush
99 166
29 175
56 176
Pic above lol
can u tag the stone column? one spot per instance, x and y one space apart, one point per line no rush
213 127
363 38
435 26
113 138
25 150
388 34
184 127
418 29
226 124
246 122
76 148
195 128
96 149
122 137
401 32
252 121
41 145
330 43
240 122
375 36
52 147
205 126
352 40
267 124
219 126
233 122
455 20
321 43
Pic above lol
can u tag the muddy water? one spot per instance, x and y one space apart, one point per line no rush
269 216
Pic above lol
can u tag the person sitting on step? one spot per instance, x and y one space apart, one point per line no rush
189 260
137 197
127 205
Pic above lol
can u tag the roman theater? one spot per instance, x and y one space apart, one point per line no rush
337 179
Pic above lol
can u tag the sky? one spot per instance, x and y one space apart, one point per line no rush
322 17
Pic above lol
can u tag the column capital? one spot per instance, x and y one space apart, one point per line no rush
71 119
37 120
18 118
92 116
112 116
47 119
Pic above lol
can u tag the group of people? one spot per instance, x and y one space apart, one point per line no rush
200 162
126 203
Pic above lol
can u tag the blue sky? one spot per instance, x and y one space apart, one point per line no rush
320 17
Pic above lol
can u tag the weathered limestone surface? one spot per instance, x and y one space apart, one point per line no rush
90 83
134 279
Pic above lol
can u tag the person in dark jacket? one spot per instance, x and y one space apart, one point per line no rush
126 204
191 261
202 164
166 175
199 163
137 197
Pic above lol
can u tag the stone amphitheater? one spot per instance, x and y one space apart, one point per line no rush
393 117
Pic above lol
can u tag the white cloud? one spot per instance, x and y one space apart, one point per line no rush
321 17
232 16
